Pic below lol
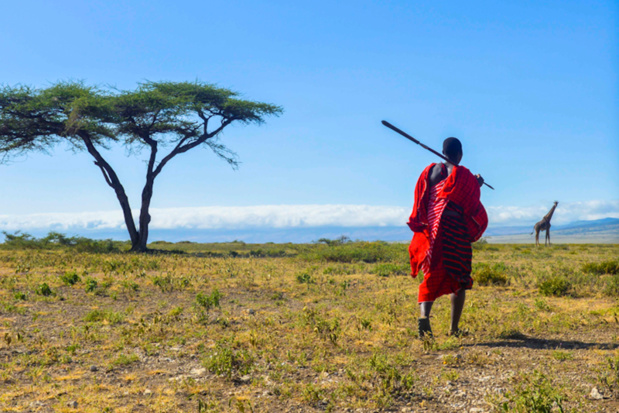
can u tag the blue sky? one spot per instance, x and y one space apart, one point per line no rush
529 87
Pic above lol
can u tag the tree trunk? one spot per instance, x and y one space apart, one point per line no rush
147 194
127 215
113 181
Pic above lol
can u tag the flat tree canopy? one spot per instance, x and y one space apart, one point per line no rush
171 117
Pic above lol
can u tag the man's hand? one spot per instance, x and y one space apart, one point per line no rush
480 180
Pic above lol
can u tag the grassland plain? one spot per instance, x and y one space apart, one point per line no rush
301 328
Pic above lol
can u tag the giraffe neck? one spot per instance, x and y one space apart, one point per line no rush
549 214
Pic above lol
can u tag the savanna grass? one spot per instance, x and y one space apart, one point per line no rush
321 327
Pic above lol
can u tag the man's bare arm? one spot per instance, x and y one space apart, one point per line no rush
435 175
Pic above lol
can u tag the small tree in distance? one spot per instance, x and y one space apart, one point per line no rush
179 116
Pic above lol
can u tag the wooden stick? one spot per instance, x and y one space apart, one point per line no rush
409 137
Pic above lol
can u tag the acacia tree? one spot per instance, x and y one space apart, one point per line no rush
165 119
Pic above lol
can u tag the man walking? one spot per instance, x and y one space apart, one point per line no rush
447 217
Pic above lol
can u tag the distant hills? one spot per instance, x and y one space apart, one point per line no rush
598 231
604 231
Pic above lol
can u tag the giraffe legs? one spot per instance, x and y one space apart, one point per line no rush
537 237
547 236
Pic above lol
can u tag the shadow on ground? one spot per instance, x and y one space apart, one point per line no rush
522 341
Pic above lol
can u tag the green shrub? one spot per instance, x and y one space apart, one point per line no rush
480 244
70 278
610 377
19 240
124 360
261 253
339 270
207 302
55 240
390 379
91 285
540 304
328 329
20 296
163 282
44 290
130 285
387 269
110 316
305 278
557 286
605 267
331 242
612 286
485 274
533 393
349 252
228 360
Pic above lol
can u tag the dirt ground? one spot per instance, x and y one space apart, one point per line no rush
297 334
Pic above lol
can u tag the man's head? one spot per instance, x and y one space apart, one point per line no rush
452 149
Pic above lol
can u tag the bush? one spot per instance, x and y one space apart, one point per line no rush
305 278
163 282
260 253
44 290
610 377
612 286
70 278
227 360
331 242
20 296
19 240
485 274
91 285
350 252
387 269
533 393
480 244
54 240
339 270
110 316
124 360
557 286
208 301
605 267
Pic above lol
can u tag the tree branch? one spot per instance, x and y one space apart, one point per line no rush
105 175
112 179
184 148
154 118
205 119
152 158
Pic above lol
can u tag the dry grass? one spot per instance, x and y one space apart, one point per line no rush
234 327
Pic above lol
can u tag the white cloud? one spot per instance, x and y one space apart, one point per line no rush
262 216
279 216
295 216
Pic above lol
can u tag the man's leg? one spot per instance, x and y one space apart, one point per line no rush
457 304
424 319
425 308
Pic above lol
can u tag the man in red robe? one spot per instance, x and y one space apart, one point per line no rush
447 217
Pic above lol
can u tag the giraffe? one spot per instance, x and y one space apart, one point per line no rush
544 225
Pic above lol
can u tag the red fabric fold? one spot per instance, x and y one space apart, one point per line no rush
461 187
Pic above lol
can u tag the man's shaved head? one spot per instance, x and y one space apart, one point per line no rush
452 149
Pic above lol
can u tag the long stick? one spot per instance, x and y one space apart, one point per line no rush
409 137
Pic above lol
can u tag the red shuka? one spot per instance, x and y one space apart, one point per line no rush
461 187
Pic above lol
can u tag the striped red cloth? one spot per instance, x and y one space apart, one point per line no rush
435 209
441 246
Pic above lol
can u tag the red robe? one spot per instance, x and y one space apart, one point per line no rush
461 187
